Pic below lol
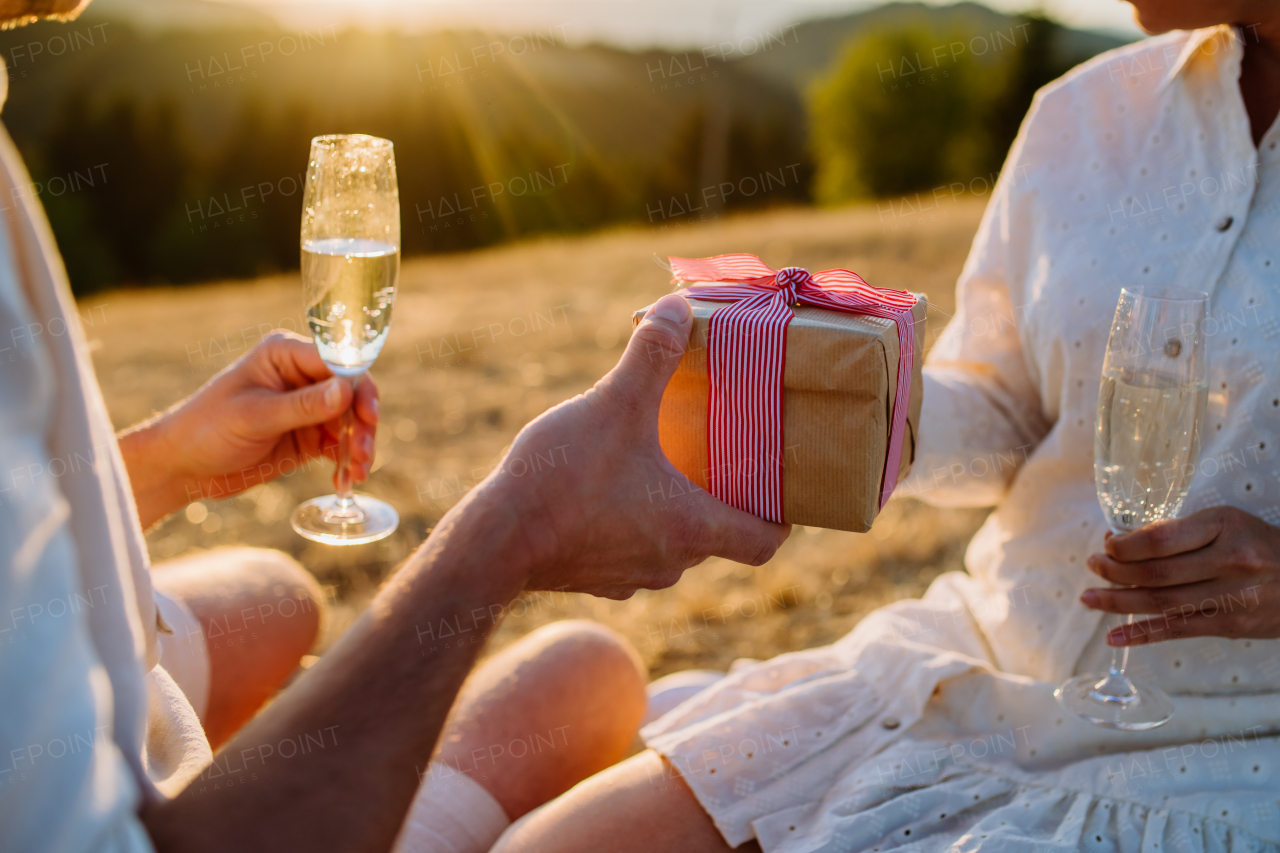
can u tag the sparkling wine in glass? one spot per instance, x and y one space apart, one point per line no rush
350 264
1151 410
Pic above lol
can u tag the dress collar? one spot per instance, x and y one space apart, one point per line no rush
1219 44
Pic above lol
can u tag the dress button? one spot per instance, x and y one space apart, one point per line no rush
890 723
1224 223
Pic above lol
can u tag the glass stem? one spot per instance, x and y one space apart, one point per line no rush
1122 653
1116 688
1120 658
344 509
342 475
1116 676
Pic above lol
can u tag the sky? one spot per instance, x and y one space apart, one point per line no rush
638 23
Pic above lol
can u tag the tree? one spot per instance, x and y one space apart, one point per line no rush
910 109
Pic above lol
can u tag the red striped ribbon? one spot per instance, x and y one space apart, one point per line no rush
747 352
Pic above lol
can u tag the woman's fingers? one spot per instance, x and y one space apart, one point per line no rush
1199 610
1219 596
1166 538
1171 571
1211 574
1166 628
1236 612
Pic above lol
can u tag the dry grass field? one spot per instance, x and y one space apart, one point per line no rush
483 342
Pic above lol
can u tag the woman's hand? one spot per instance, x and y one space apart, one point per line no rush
275 408
1215 573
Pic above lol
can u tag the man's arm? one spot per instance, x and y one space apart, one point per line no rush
378 700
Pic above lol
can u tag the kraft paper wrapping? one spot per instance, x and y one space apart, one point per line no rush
839 383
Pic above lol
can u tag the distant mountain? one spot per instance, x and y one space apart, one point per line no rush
630 24
812 46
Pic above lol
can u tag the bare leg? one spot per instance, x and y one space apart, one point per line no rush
640 805
260 613
562 704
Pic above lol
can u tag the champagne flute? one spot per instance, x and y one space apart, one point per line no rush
1151 410
350 264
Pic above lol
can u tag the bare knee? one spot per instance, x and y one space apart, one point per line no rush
595 652
561 704
639 805
287 590
242 565
247 587
574 653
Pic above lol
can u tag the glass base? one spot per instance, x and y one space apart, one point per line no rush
365 519
1115 701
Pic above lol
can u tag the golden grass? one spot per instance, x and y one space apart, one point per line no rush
483 342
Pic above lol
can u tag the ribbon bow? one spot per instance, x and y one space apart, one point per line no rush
746 355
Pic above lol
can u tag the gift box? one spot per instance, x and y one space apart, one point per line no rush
793 401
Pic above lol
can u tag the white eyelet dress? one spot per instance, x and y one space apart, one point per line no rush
932 725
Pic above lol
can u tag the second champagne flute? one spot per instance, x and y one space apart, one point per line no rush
1151 408
350 265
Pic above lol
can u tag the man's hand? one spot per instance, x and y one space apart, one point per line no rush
603 511
1215 573
275 408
